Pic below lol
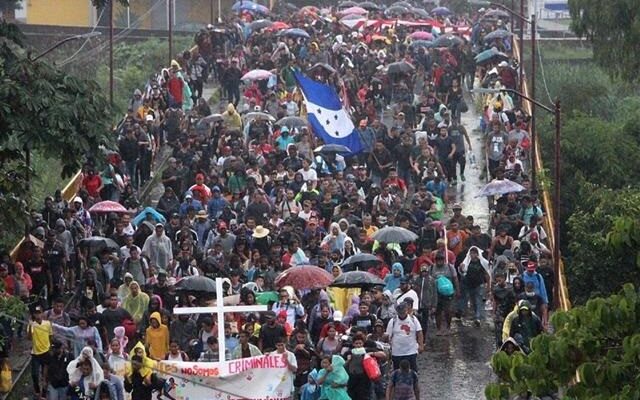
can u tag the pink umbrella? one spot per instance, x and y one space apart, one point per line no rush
422 35
353 10
257 75
105 207
278 26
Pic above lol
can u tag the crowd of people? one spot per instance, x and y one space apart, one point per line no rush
246 197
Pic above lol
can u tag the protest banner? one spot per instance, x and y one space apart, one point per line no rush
256 378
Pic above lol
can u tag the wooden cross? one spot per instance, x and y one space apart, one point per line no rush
219 309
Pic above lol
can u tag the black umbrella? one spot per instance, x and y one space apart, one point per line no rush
212 118
420 12
347 4
401 67
356 279
447 41
96 244
496 14
324 66
260 24
369 5
331 149
396 10
196 285
394 234
358 261
497 34
292 122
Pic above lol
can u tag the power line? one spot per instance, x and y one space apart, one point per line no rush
544 78
85 42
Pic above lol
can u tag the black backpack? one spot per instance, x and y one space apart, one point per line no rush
475 275
355 365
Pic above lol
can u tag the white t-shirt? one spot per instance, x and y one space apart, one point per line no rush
402 334
310 175
291 358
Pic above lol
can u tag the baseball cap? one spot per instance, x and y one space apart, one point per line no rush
337 316
531 266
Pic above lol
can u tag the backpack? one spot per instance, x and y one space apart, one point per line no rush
444 286
475 275
355 365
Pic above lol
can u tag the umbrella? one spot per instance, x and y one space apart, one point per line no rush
279 25
420 12
359 260
422 35
404 4
353 10
396 10
356 279
497 34
496 14
260 24
500 187
394 234
447 41
107 206
196 285
491 54
331 149
311 9
304 277
401 67
148 211
253 7
421 43
96 244
236 6
297 32
441 11
292 122
347 4
212 118
369 5
257 114
323 66
257 75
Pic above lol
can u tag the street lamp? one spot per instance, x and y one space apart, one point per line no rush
63 41
555 110
532 91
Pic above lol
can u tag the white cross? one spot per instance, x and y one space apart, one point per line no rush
219 309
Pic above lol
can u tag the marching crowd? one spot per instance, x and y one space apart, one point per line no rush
248 195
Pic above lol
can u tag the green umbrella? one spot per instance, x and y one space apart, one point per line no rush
264 298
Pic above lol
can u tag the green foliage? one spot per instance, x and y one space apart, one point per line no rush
11 307
604 236
47 112
598 342
614 31
103 3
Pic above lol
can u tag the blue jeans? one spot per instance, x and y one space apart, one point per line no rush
476 296
57 393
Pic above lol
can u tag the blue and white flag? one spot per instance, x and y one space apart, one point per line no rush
326 115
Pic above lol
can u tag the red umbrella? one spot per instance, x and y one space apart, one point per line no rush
278 26
105 207
304 277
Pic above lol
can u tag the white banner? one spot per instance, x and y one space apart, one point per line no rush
256 378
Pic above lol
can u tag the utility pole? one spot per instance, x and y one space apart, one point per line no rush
111 53
556 196
520 61
532 91
170 30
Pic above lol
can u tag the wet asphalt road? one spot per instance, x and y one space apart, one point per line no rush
457 367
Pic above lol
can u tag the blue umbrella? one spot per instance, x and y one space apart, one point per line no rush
498 33
142 216
441 11
490 55
256 8
236 6
295 32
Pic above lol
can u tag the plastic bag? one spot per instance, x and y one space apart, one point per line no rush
371 368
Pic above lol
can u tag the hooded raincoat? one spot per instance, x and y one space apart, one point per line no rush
338 375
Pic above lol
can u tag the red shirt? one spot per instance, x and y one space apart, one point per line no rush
423 259
174 86
380 273
92 184
341 329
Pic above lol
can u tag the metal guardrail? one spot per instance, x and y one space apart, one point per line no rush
563 300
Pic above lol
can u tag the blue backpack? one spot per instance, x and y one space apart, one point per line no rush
444 286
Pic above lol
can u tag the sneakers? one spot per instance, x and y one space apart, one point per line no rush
462 178
476 323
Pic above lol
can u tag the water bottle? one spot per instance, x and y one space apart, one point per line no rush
472 161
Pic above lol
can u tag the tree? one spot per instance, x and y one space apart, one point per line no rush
613 30
45 110
603 237
598 342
